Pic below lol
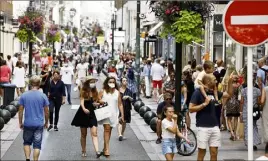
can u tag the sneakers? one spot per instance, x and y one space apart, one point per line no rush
120 138
158 141
49 128
56 128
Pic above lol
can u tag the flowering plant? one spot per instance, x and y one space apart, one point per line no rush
53 34
31 24
184 20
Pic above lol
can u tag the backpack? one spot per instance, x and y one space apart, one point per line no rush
266 75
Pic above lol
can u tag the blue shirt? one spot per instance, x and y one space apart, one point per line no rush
33 103
261 73
147 70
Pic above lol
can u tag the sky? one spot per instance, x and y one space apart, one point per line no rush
99 9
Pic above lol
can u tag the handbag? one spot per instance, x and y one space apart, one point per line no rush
256 112
103 112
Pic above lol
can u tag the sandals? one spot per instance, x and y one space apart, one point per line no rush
107 155
84 154
223 128
98 154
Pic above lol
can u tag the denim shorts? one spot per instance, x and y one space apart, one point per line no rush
33 135
169 146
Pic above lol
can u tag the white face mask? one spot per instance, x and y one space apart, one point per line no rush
92 85
111 85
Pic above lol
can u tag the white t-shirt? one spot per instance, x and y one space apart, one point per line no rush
157 72
262 158
9 64
14 61
67 73
25 58
199 78
82 70
165 133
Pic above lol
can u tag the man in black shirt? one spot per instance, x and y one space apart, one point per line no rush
206 120
159 111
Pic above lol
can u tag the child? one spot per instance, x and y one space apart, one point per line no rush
169 130
208 69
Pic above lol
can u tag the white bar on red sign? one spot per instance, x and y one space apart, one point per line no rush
249 20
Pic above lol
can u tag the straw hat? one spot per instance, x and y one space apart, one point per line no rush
89 78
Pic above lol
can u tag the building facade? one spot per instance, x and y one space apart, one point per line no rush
7 34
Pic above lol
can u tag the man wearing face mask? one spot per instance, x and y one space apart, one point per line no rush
67 77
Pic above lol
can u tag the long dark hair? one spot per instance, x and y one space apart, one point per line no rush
106 88
165 110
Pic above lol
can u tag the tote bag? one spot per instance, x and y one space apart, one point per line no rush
103 113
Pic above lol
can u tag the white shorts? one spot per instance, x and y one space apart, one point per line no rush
210 136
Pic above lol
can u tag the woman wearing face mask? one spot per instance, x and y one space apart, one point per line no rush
127 98
111 95
85 116
56 95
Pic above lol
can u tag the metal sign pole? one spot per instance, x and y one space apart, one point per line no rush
250 103
138 47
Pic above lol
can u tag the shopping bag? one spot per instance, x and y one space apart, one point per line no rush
103 113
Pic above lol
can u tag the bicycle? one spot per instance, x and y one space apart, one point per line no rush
184 148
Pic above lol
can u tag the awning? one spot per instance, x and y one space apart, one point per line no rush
155 28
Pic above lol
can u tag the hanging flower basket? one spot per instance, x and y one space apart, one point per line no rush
183 20
31 25
53 34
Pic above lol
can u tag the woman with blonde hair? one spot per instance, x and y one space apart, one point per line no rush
232 104
85 116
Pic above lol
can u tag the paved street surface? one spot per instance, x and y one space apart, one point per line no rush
229 151
65 144
139 143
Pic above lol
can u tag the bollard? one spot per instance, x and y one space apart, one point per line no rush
148 116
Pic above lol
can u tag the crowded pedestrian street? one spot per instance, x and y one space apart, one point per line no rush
133 80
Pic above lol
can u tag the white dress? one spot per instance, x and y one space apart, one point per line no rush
19 79
112 100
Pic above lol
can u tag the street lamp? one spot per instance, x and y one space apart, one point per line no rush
1 24
113 28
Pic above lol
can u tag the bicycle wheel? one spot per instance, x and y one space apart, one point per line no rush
184 148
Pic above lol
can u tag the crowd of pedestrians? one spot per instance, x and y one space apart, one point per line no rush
212 90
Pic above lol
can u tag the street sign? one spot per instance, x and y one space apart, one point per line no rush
246 22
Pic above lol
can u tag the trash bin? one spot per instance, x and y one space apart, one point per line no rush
8 94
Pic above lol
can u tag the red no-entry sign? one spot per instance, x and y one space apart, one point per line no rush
246 22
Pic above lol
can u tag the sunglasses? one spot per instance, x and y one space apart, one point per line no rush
168 99
111 82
